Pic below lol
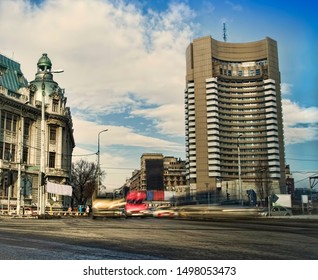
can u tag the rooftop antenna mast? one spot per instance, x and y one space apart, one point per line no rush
224 32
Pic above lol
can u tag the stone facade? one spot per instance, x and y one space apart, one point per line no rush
21 147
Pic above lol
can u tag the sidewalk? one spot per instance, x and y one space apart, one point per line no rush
305 216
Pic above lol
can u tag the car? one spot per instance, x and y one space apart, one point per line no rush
137 209
136 205
278 211
164 212
104 207
281 211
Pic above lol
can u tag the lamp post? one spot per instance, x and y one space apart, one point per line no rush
98 159
19 158
239 168
208 193
41 198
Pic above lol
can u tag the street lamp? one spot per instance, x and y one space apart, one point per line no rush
41 199
20 157
239 167
208 193
98 159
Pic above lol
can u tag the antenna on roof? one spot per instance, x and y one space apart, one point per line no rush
224 32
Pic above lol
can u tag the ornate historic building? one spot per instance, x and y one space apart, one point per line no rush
36 137
233 113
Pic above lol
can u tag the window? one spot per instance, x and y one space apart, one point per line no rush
31 101
55 105
26 129
7 151
20 78
52 160
9 121
258 71
53 133
3 116
25 154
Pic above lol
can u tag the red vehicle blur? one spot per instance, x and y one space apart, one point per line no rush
165 211
136 205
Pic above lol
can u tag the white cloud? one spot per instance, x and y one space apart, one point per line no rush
87 134
116 59
106 50
120 164
171 118
300 124
286 88
235 7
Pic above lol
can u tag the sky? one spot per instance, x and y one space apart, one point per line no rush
124 69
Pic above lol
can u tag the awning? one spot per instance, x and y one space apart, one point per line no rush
59 189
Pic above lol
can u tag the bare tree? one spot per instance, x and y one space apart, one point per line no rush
84 180
263 182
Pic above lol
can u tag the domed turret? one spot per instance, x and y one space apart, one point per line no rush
44 63
44 83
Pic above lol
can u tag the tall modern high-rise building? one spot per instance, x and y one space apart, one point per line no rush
233 112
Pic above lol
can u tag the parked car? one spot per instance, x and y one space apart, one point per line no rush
281 211
278 211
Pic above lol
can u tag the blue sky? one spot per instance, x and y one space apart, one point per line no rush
124 64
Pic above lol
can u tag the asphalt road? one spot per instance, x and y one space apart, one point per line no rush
154 239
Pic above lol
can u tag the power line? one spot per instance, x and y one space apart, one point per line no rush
304 172
122 168
302 159
302 154
65 155
83 155
305 178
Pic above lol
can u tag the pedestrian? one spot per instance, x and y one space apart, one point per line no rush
87 209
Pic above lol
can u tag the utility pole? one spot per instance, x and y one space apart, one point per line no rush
19 159
208 193
98 159
41 199
239 168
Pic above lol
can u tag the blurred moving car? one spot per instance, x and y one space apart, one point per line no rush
165 212
107 207
137 209
136 205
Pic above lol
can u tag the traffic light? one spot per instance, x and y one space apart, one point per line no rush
43 178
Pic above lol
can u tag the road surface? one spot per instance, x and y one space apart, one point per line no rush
153 239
